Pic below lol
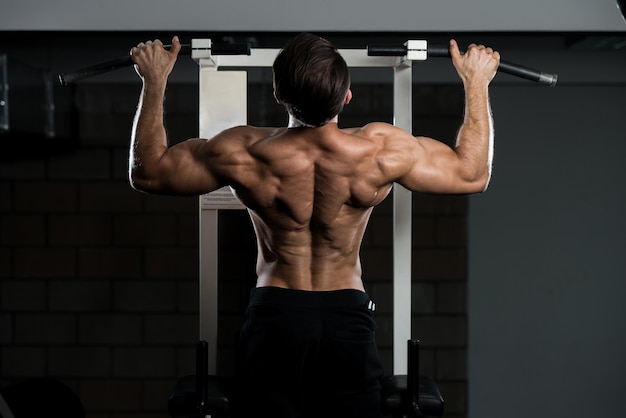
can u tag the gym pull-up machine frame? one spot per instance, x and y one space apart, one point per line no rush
223 104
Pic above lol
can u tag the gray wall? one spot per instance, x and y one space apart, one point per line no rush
319 15
547 256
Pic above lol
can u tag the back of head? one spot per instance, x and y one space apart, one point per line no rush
311 79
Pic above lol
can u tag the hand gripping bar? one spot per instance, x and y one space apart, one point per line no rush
126 61
443 51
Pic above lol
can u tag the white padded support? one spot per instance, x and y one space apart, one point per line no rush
223 104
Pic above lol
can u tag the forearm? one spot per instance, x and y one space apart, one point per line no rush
148 137
474 144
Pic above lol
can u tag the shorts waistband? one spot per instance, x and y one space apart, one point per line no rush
294 298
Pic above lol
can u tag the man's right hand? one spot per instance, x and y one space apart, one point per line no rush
152 61
478 64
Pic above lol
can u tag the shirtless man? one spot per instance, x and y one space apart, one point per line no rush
307 347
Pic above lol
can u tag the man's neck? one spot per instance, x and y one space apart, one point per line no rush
295 123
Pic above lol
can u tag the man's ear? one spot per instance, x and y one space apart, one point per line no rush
348 97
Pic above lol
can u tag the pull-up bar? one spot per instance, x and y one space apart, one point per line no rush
216 49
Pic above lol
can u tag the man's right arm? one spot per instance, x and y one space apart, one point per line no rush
190 167
433 167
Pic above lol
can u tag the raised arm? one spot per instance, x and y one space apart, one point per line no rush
155 167
434 167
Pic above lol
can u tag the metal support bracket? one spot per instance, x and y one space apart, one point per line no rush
416 50
201 50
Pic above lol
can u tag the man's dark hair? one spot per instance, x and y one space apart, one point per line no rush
311 79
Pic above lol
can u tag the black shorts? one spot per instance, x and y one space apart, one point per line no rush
308 354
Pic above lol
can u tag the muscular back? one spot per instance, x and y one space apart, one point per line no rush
309 193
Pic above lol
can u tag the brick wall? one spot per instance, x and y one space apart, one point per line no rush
98 283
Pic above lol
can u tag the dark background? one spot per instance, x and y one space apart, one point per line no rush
98 283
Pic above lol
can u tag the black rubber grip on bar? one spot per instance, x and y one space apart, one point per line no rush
386 51
230 49
443 51
108 66
104 67
126 61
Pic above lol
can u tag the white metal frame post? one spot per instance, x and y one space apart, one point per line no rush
403 118
223 105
